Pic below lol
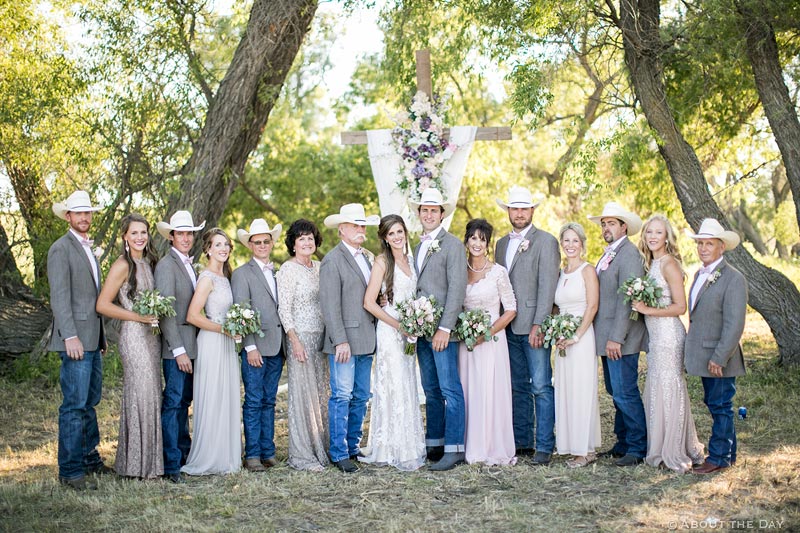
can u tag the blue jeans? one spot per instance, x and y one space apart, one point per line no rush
622 383
718 396
348 404
444 396
258 410
175 415
533 396
78 436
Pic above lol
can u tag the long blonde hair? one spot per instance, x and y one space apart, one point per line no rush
671 244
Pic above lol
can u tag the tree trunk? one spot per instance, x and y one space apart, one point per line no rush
239 111
770 292
10 277
762 51
743 224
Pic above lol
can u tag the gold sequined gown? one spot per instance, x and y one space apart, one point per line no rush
671 434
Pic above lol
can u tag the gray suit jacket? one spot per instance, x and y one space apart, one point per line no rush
173 280
612 322
73 296
341 295
534 277
444 275
249 286
716 324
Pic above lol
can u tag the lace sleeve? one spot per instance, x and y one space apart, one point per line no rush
507 297
287 284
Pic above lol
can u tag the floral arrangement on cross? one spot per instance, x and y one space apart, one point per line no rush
419 140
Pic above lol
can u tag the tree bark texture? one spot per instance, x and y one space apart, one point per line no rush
241 107
10 276
762 51
771 293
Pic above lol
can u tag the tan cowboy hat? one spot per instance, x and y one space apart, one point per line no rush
431 196
78 202
257 227
180 221
614 210
353 214
710 228
517 197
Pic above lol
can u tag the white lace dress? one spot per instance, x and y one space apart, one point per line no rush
396 435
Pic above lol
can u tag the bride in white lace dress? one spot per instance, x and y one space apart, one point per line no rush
396 436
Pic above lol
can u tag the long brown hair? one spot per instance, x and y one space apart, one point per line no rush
148 254
207 238
384 227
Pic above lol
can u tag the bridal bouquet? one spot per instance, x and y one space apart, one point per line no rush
560 327
418 317
241 320
643 290
151 302
473 325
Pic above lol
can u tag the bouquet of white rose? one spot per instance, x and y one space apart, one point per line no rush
241 320
643 290
472 325
560 327
151 302
419 317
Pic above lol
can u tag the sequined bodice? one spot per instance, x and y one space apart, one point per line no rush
220 298
144 281
658 277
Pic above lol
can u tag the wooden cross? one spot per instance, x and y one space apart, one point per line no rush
425 84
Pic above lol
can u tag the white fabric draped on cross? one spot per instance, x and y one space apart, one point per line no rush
385 162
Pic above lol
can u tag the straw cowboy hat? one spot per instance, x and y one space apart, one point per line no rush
353 214
257 227
78 202
180 221
431 196
517 197
614 210
710 228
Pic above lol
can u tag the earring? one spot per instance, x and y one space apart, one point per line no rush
127 248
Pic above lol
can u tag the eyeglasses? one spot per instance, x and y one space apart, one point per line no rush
261 243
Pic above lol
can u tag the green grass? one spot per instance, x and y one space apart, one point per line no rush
602 497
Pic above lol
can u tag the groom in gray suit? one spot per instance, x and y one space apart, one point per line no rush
618 338
175 276
253 283
532 259
717 307
349 332
77 335
441 266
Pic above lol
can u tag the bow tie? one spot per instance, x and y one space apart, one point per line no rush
514 235
426 237
188 260
87 242
269 266
358 251
705 270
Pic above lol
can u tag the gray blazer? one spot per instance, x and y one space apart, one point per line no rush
73 296
249 286
612 322
444 275
173 280
534 277
341 296
716 324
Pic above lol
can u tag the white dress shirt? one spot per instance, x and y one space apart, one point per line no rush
513 246
701 280
87 249
187 264
424 245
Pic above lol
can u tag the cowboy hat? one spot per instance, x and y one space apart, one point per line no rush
614 210
353 214
180 221
257 227
517 197
78 202
710 228
431 196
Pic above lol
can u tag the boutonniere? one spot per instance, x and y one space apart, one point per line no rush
712 279
197 268
433 248
523 246
369 255
98 252
607 260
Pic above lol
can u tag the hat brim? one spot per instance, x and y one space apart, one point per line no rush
60 210
448 207
504 206
333 221
244 236
633 222
164 228
730 238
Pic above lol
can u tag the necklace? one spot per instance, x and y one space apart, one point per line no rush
485 264
309 267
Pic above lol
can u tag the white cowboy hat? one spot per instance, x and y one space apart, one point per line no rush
614 210
431 196
78 202
710 228
517 197
353 214
180 221
257 227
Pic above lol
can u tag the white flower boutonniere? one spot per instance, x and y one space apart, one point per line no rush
433 248
712 279
197 268
523 246
98 252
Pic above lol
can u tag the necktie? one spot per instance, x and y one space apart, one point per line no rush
426 237
514 235
268 267
87 242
